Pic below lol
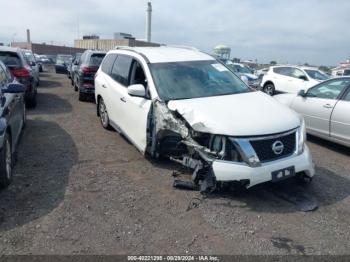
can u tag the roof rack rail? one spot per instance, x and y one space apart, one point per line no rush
183 47
130 48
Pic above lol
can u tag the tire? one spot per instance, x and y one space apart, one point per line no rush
6 159
102 111
31 102
75 86
269 89
71 81
82 96
24 117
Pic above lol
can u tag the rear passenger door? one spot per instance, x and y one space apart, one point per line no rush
137 108
116 91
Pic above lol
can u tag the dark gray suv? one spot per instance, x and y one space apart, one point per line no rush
20 68
84 76
12 121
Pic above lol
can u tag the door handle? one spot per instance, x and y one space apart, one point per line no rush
103 86
328 106
123 99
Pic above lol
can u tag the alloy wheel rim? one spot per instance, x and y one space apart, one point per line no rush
8 160
103 113
269 90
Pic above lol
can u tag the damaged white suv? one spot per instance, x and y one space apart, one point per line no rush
184 104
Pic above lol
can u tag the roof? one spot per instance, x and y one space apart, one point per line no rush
164 54
9 49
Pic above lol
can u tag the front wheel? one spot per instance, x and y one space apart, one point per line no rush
269 89
6 163
102 111
82 96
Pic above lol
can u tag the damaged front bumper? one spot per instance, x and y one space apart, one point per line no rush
226 171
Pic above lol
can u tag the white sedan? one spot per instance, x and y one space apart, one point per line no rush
325 108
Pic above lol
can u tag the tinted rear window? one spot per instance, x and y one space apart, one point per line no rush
108 63
96 59
10 59
121 68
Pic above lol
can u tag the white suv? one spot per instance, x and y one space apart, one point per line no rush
291 79
184 104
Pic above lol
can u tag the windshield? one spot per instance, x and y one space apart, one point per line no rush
315 74
184 80
63 59
346 72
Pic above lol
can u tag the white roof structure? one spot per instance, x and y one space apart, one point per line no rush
165 54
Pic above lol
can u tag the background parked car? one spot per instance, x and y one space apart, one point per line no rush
245 72
12 121
290 79
62 63
73 66
18 65
326 109
33 64
84 77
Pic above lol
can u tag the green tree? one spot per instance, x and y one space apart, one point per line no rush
273 63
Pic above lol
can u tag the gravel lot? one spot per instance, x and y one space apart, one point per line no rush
80 189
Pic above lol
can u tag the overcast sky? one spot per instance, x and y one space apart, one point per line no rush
298 31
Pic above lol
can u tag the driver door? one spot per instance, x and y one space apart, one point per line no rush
137 108
318 104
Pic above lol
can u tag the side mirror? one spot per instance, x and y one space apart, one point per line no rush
32 63
302 93
14 88
76 63
137 90
303 78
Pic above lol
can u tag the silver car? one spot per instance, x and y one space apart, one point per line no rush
326 109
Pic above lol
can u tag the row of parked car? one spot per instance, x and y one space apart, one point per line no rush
19 78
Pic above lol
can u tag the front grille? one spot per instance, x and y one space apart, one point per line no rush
264 151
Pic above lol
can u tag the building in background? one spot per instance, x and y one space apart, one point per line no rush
44 49
120 39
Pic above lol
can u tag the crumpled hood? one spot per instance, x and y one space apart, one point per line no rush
247 114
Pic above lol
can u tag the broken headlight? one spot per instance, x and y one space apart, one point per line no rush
225 149
301 136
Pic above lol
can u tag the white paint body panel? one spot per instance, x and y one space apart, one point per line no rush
247 114
229 171
332 123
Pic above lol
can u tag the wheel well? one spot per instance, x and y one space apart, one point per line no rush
9 133
98 104
268 82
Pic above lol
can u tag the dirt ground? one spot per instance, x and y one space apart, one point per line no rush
80 189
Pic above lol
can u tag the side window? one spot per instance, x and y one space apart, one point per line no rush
3 77
297 73
347 97
286 71
107 63
121 69
329 90
137 75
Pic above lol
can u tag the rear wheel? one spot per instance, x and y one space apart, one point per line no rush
82 96
269 89
31 102
6 163
102 111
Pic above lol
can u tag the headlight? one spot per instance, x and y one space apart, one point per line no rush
301 136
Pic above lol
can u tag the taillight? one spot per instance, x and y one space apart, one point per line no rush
20 72
89 69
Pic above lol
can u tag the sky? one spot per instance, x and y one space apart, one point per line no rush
299 31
